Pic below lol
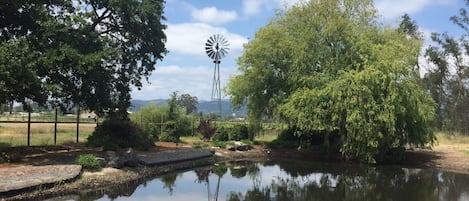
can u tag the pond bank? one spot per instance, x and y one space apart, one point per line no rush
157 162
110 180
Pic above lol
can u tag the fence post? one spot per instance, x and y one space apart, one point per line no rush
78 121
55 126
29 128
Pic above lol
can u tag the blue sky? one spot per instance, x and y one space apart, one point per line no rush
187 69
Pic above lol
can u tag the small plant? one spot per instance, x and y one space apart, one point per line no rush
221 144
88 161
198 145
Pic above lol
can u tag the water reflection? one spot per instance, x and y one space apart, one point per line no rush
299 181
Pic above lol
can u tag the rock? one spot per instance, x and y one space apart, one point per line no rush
129 158
243 147
240 146
102 161
231 147
132 163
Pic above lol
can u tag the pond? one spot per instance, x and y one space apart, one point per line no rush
298 180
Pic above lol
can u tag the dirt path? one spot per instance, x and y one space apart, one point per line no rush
446 158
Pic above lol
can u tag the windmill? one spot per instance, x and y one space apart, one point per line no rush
216 48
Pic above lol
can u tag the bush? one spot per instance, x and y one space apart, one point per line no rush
253 129
286 140
172 133
239 132
114 134
206 129
220 135
88 161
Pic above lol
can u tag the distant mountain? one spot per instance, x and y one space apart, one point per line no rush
205 107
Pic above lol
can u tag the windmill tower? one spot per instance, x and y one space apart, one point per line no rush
216 48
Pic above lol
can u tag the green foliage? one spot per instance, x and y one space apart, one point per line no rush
86 53
329 66
114 134
447 76
88 161
221 134
165 123
253 129
188 102
222 144
199 145
238 132
172 133
286 140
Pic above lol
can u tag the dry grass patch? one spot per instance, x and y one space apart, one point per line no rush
15 134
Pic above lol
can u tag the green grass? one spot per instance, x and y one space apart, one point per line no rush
88 161
191 139
266 138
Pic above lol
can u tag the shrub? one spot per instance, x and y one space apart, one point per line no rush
253 129
239 132
88 161
220 135
283 144
114 134
206 129
286 140
172 133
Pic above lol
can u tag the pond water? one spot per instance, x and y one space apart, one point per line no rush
295 181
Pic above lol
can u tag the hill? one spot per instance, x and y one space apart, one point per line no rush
204 106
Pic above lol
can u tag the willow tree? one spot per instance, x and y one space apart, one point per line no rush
330 66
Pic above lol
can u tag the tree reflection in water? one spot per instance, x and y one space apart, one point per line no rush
358 183
297 181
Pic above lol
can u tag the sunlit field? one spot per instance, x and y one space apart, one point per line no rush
456 142
15 134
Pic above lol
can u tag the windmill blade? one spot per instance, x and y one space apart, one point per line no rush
225 43
211 54
223 52
212 39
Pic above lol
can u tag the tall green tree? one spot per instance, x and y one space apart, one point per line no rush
89 52
447 79
188 102
330 66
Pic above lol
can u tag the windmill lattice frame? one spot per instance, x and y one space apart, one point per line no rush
216 48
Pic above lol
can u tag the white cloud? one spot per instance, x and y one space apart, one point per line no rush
391 9
212 15
190 38
251 7
254 7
